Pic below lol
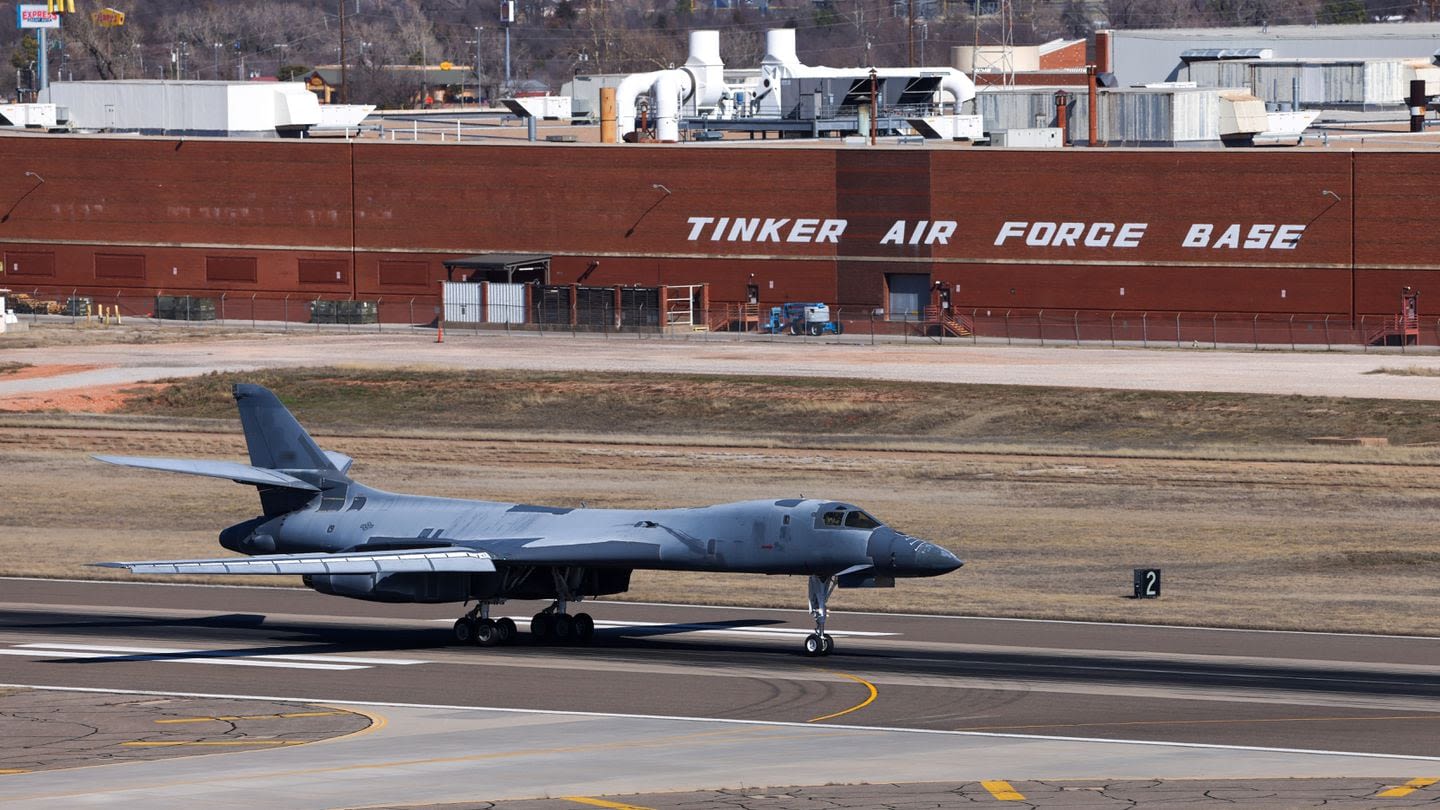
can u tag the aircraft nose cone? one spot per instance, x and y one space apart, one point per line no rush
934 560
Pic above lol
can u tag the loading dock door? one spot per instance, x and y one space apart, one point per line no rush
909 292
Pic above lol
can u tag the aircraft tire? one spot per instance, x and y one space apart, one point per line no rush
464 631
540 627
814 645
829 644
584 627
486 634
506 628
562 627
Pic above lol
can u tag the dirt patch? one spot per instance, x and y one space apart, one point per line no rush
23 371
96 399
785 408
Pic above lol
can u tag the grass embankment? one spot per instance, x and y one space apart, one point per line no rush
1216 489
7 367
748 408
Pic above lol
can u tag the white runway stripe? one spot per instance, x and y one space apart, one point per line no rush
187 656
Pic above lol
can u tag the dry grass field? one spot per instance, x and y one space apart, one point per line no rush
1052 496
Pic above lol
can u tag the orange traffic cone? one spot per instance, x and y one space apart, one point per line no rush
440 332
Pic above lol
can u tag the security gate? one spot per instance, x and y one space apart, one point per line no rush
505 303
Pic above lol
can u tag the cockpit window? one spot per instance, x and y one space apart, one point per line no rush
834 519
860 520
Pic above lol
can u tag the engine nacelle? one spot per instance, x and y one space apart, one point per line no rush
406 587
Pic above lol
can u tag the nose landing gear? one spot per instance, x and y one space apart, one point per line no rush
819 642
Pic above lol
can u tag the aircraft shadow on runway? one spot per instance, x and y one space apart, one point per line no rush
682 639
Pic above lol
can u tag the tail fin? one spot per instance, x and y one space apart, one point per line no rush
276 441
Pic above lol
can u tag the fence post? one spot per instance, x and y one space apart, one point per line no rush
1077 327
1255 331
1292 333
378 302
1112 330
252 310
1145 330
222 307
313 307
1214 330
975 329
1007 328
71 306
412 311
1327 333
1177 330
1040 325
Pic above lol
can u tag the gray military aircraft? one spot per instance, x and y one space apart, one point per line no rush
347 539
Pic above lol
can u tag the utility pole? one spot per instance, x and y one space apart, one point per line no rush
910 29
344 85
479 81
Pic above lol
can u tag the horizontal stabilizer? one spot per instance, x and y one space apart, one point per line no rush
449 559
341 461
240 473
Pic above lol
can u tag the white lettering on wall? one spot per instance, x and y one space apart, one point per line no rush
1069 234
1262 236
1125 235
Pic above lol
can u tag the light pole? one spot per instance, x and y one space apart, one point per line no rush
479 80
215 46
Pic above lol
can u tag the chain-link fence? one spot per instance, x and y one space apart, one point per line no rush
645 313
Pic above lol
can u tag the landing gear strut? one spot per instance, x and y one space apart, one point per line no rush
476 627
554 624
820 642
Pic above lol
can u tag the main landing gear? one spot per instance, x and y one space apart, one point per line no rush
820 642
553 624
561 627
476 627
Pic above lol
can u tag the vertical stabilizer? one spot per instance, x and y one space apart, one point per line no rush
275 439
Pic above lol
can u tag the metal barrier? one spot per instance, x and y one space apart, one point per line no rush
634 312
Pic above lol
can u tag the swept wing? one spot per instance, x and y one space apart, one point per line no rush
448 559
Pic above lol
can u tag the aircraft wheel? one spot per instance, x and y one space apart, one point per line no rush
829 644
562 627
486 634
540 627
814 645
584 628
464 631
506 628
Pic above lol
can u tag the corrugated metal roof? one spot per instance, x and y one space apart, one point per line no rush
497 260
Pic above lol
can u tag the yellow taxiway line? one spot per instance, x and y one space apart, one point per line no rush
603 803
1002 791
857 707
1407 788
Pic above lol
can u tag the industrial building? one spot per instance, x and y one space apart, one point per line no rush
891 233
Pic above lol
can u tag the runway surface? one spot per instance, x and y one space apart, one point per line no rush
720 695
1315 373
